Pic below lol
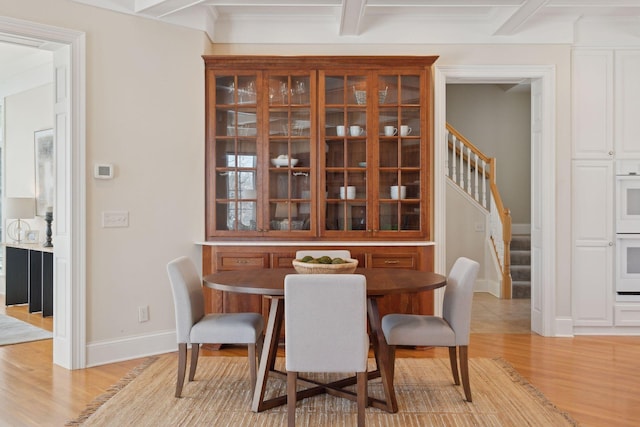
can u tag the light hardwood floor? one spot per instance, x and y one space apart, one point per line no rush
596 379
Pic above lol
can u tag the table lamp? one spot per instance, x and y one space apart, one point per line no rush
19 208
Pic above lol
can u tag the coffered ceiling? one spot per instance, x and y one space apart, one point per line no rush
385 21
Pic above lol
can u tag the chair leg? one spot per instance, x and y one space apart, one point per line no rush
252 365
259 346
464 369
292 379
195 350
363 397
453 359
182 367
392 361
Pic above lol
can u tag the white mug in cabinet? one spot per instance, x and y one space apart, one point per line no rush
405 130
356 130
394 192
340 130
348 192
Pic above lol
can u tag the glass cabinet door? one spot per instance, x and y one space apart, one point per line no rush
374 165
233 149
345 125
400 169
291 125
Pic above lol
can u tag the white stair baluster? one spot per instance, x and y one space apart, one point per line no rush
461 169
452 173
446 160
484 184
453 161
475 184
469 171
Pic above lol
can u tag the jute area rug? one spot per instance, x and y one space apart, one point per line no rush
220 396
14 331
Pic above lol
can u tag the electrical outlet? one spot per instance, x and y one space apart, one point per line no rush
143 313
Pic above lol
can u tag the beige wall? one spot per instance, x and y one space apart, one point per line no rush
145 114
466 232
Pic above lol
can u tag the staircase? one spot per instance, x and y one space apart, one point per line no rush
475 173
521 265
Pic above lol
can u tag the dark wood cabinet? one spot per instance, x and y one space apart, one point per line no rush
29 278
327 149
318 147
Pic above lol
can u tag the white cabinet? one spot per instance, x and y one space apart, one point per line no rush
605 124
605 103
592 255
592 104
627 104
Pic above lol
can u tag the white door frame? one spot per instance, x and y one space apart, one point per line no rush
543 183
69 326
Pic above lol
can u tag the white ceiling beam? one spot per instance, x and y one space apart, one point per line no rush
525 12
142 5
351 17
162 8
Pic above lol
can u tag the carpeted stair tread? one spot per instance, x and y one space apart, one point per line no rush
521 290
521 273
521 242
521 266
520 257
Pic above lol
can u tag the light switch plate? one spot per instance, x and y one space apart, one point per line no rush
115 219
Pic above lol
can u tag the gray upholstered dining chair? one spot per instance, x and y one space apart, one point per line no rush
451 330
333 253
326 330
195 327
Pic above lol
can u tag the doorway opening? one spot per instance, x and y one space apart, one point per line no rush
496 119
68 48
542 82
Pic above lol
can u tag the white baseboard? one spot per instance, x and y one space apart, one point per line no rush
520 228
564 327
489 286
607 330
104 352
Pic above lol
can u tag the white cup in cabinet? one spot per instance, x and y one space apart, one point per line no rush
348 192
398 195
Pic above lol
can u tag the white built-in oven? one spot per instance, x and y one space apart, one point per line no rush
628 267
628 196
628 230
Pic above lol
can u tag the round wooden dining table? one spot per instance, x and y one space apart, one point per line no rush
270 283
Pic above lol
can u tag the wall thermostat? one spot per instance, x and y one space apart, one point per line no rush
103 171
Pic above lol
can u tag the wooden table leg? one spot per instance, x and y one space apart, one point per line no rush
269 352
383 354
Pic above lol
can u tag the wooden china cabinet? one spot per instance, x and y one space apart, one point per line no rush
318 152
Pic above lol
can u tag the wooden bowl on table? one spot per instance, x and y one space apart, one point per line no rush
309 268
